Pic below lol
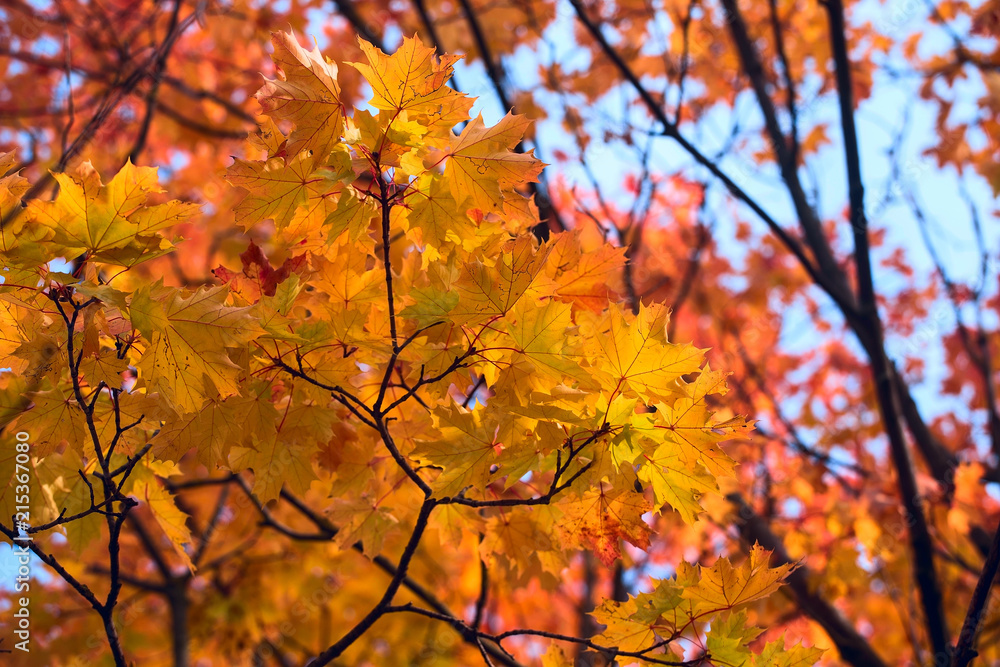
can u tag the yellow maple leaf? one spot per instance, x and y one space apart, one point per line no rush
354 214
186 359
464 447
490 290
16 235
775 654
109 222
432 212
623 629
676 482
144 485
275 462
54 418
106 368
688 423
61 479
581 273
215 428
275 188
521 539
601 518
413 79
636 355
482 170
696 594
306 93
539 349
724 586
364 521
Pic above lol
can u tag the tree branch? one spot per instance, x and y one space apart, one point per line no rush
808 219
964 650
837 292
920 540
154 89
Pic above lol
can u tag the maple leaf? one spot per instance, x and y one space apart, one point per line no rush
363 521
150 490
348 457
695 594
724 586
537 350
275 188
676 482
622 629
688 424
677 446
727 640
354 214
431 304
556 657
482 170
17 235
106 368
19 323
54 418
601 518
41 352
279 446
63 482
306 93
39 505
432 212
350 288
12 184
397 140
490 290
268 138
218 425
109 222
187 359
260 278
275 463
141 413
520 540
636 355
775 654
12 399
413 80
581 271
465 448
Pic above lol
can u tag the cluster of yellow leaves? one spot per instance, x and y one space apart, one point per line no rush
409 278
675 606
